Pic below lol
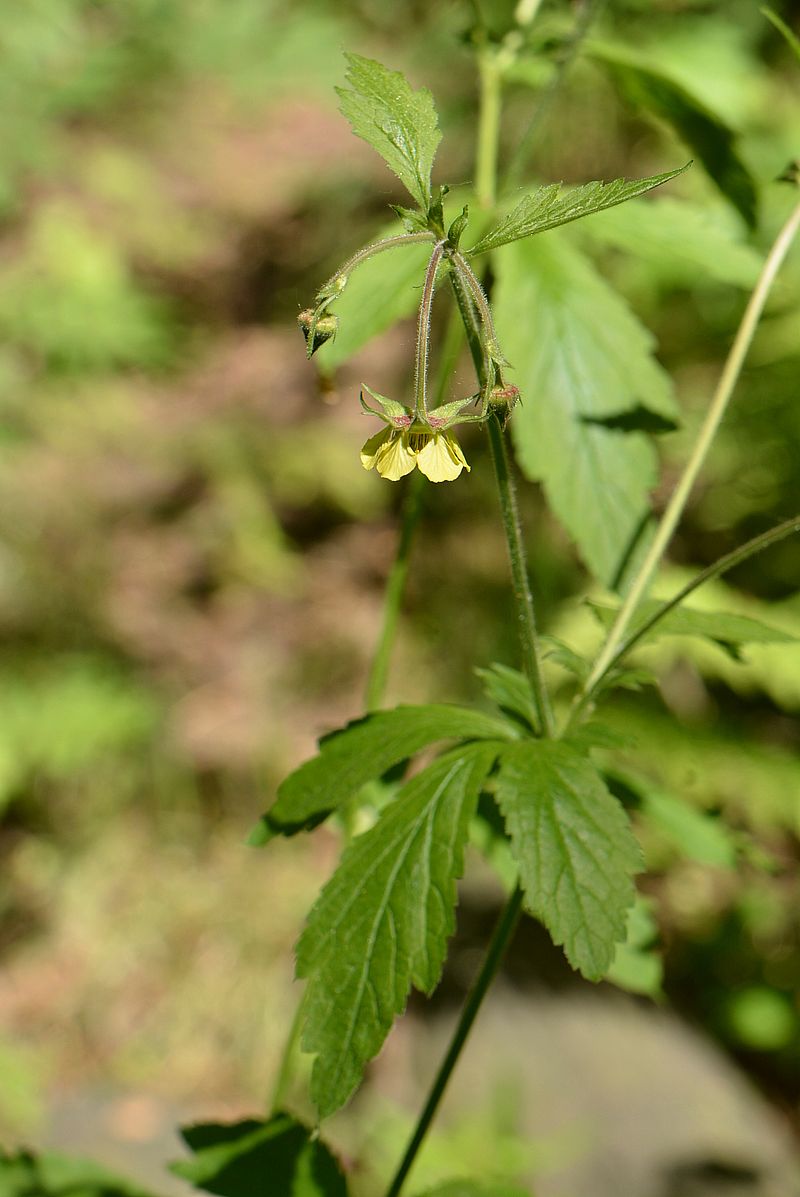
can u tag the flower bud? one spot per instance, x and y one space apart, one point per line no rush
324 327
503 399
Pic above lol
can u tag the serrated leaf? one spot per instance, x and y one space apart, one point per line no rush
548 207
239 1159
381 291
703 131
685 242
510 690
31 1175
398 122
574 846
382 922
364 750
581 357
724 629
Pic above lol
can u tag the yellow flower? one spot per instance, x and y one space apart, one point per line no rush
395 452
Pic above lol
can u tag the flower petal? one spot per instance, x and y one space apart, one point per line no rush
395 458
371 448
441 460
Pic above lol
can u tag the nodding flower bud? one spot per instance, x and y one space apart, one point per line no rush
503 399
324 327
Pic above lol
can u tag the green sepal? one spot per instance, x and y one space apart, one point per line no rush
390 410
455 232
442 417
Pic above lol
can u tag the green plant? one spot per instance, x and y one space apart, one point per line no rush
534 767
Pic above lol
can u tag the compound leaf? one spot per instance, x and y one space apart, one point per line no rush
382 922
702 130
363 751
239 1159
584 363
398 122
574 846
548 207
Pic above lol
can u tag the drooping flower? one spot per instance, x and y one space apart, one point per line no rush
409 442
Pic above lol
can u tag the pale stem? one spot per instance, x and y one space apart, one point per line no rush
717 408
369 251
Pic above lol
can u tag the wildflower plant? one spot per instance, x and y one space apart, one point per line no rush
528 768
382 922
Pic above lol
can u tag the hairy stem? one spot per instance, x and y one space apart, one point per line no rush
330 289
494 954
674 509
424 333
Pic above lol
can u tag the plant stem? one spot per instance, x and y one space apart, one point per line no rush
369 251
749 549
395 587
424 333
286 1067
494 954
526 618
490 77
674 509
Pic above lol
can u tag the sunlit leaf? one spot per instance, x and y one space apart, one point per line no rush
382 922
703 131
398 122
550 206
574 846
685 242
584 365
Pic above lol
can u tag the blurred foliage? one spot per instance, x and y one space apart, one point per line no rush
191 557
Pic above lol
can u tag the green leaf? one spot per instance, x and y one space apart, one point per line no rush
729 631
398 122
380 291
685 242
583 364
244 1158
29 1175
382 922
510 690
694 834
637 966
702 130
548 207
574 846
364 750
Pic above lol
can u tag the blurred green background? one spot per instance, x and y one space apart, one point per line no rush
192 559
